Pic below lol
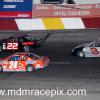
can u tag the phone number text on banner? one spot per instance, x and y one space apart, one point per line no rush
71 10
15 8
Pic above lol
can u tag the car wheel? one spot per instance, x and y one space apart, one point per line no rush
30 68
26 48
81 54
1 69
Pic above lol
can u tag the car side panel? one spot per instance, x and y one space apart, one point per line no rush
14 66
92 51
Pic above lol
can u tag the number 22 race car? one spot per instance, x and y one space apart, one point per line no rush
23 62
20 43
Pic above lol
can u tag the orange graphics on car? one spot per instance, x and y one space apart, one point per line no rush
23 62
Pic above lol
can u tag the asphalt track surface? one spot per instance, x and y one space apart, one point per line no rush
64 72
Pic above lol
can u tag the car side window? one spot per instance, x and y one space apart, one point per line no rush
26 39
21 39
10 40
94 44
91 45
16 40
98 44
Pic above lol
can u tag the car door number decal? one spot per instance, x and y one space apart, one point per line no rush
13 64
12 46
94 51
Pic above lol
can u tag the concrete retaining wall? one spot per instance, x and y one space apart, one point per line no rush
50 24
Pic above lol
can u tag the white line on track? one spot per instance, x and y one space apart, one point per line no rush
61 63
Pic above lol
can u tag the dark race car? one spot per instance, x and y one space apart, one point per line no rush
20 43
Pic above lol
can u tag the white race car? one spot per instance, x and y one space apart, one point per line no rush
87 50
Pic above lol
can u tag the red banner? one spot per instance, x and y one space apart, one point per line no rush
72 10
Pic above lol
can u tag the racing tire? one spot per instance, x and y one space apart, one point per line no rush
30 68
1 69
81 54
26 48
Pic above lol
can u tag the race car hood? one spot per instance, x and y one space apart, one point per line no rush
82 45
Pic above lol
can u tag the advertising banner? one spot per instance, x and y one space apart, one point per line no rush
15 8
71 10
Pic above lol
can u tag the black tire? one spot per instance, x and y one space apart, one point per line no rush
1 69
26 48
30 68
81 54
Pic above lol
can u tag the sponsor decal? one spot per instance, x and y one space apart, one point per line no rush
67 10
31 61
27 43
94 51
10 46
15 8
4 62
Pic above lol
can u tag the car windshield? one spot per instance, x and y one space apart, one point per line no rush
15 58
28 38
33 56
